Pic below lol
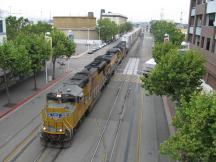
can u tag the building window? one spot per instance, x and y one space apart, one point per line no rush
208 43
214 47
190 37
202 42
192 21
193 3
210 18
199 2
199 21
1 26
198 40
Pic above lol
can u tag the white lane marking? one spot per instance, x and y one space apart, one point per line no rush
135 61
136 67
125 69
132 66
127 66
130 70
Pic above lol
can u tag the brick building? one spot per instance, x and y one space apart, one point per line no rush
202 34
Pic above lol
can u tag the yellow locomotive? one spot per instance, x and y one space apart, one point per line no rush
73 99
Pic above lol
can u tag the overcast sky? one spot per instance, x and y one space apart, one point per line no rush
135 10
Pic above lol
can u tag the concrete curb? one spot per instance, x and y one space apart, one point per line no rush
42 89
80 55
168 112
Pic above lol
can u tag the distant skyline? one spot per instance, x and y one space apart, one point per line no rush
136 10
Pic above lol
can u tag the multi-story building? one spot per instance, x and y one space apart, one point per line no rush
116 17
202 34
2 30
82 28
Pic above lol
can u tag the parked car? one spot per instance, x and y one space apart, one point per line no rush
103 44
148 67
91 51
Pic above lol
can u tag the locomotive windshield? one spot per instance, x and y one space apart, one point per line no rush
62 99
66 105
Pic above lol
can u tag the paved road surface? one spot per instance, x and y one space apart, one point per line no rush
125 125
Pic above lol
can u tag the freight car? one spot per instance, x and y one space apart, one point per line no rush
75 97
131 37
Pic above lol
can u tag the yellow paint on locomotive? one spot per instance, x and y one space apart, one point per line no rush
69 119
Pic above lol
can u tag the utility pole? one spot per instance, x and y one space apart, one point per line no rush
162 14
10 10
181 18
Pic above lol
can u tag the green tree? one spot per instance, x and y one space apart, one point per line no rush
61 46
39 28
15 26
114 29
108 29
126 27
13 60
38 49
159 28
195 138
161 49
176 75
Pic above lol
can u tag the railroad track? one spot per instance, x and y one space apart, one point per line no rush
22 146
42 155
19 131
112 151
126 82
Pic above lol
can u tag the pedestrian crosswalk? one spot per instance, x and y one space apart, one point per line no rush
132 66
128 78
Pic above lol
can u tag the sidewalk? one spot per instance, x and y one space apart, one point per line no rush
170 113
23 91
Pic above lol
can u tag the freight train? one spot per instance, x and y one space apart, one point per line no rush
131 37
76 96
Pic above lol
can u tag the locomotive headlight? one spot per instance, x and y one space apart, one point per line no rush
58 95
44 128
60 130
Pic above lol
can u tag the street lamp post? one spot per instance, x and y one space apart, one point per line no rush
88 34
88 39
48 39
99 33
166 38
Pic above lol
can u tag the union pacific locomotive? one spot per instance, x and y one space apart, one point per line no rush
73 99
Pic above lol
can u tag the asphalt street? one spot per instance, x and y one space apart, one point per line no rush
21 122
126 125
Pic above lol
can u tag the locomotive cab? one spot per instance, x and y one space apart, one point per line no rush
58 116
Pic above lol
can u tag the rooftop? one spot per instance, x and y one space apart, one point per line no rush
110 14
73 17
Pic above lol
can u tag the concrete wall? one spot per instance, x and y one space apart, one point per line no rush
116 19
82 34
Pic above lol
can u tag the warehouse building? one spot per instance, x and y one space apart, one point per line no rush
82 28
